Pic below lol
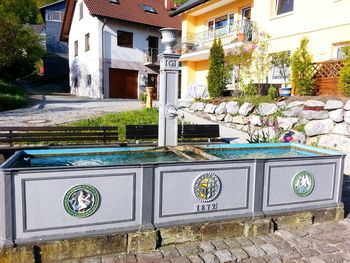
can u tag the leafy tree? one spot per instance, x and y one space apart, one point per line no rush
345 73
302 70
20 48
26 10
261 61
217 71
281 61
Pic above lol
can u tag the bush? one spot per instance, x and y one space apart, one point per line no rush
272 92
216 74
302 70
345 73
11 102
7 88
249 89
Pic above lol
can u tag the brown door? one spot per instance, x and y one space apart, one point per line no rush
152 82
123 83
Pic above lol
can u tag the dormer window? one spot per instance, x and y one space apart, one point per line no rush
148 9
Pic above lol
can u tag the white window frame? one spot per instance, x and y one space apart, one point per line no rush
50 16
282 14
214 24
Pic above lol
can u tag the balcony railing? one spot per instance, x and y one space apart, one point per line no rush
239 31
151 56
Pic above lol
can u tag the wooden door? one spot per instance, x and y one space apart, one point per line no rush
123 83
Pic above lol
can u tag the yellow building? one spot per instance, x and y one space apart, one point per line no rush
325 22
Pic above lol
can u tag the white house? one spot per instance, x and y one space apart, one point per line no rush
113 45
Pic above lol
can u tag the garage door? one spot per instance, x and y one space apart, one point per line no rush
123 83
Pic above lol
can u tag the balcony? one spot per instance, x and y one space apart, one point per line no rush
241 31
151 57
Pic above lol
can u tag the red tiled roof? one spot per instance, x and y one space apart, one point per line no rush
131 10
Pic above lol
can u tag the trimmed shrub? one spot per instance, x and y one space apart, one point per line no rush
216 74
7 88
249 89
11 102
345 73
272 92
302 70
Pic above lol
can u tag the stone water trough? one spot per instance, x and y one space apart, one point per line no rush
61 193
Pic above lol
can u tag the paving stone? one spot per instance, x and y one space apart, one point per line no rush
290 254
258 241
147 257
239 253
169 252
300 233
327 249
269 249
181 259
232 243
195 259
188 249
308 253
302 243
209 257
343 247
273 259
109 259
255 260
91 260
336 258
316 260
244 241
330 238
162 260
207 246
220 245
225 256
126 259
254 251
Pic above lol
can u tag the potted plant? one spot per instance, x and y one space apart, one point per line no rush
281 61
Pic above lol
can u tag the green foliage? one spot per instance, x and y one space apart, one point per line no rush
25 10
272 92
20 48
11 97
120 119
249 89
216 74
180 2
281 61
345 73
255 100
302 70
299 127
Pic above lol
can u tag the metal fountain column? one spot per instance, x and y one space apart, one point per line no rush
168 92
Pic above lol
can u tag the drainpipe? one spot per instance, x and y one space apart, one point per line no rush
103 60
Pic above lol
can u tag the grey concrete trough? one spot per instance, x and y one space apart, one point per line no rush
56 194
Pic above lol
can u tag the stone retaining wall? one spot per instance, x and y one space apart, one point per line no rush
325 124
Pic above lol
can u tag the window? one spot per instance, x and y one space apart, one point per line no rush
81 10
87 42
125 39
281 67
220 22
76 48
148 9
88 80
54 16
284 6
340 52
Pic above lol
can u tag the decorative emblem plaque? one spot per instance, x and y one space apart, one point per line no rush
81 200
207 187
303 183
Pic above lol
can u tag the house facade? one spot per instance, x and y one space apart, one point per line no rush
113 45
326 25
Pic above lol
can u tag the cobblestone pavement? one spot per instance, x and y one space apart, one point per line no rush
323 242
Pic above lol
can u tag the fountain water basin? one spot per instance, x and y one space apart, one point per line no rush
76 192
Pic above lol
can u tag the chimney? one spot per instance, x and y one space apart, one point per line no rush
169 5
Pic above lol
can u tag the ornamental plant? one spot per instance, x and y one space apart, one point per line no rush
302 70
217 70
345 73
281 61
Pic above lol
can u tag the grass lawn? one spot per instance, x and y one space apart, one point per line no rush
120 119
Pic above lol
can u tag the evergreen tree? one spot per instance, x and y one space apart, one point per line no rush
216 74
302 70
345 73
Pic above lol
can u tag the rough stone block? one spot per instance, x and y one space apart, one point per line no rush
225 256
319 127
239 254
337 115
293 220
180 234
314 103
232 107
266 109
334 104
246 108
257 227
254 251
210 108
209 258
347 105
213 231
313 115
221 109
296 103
142 241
